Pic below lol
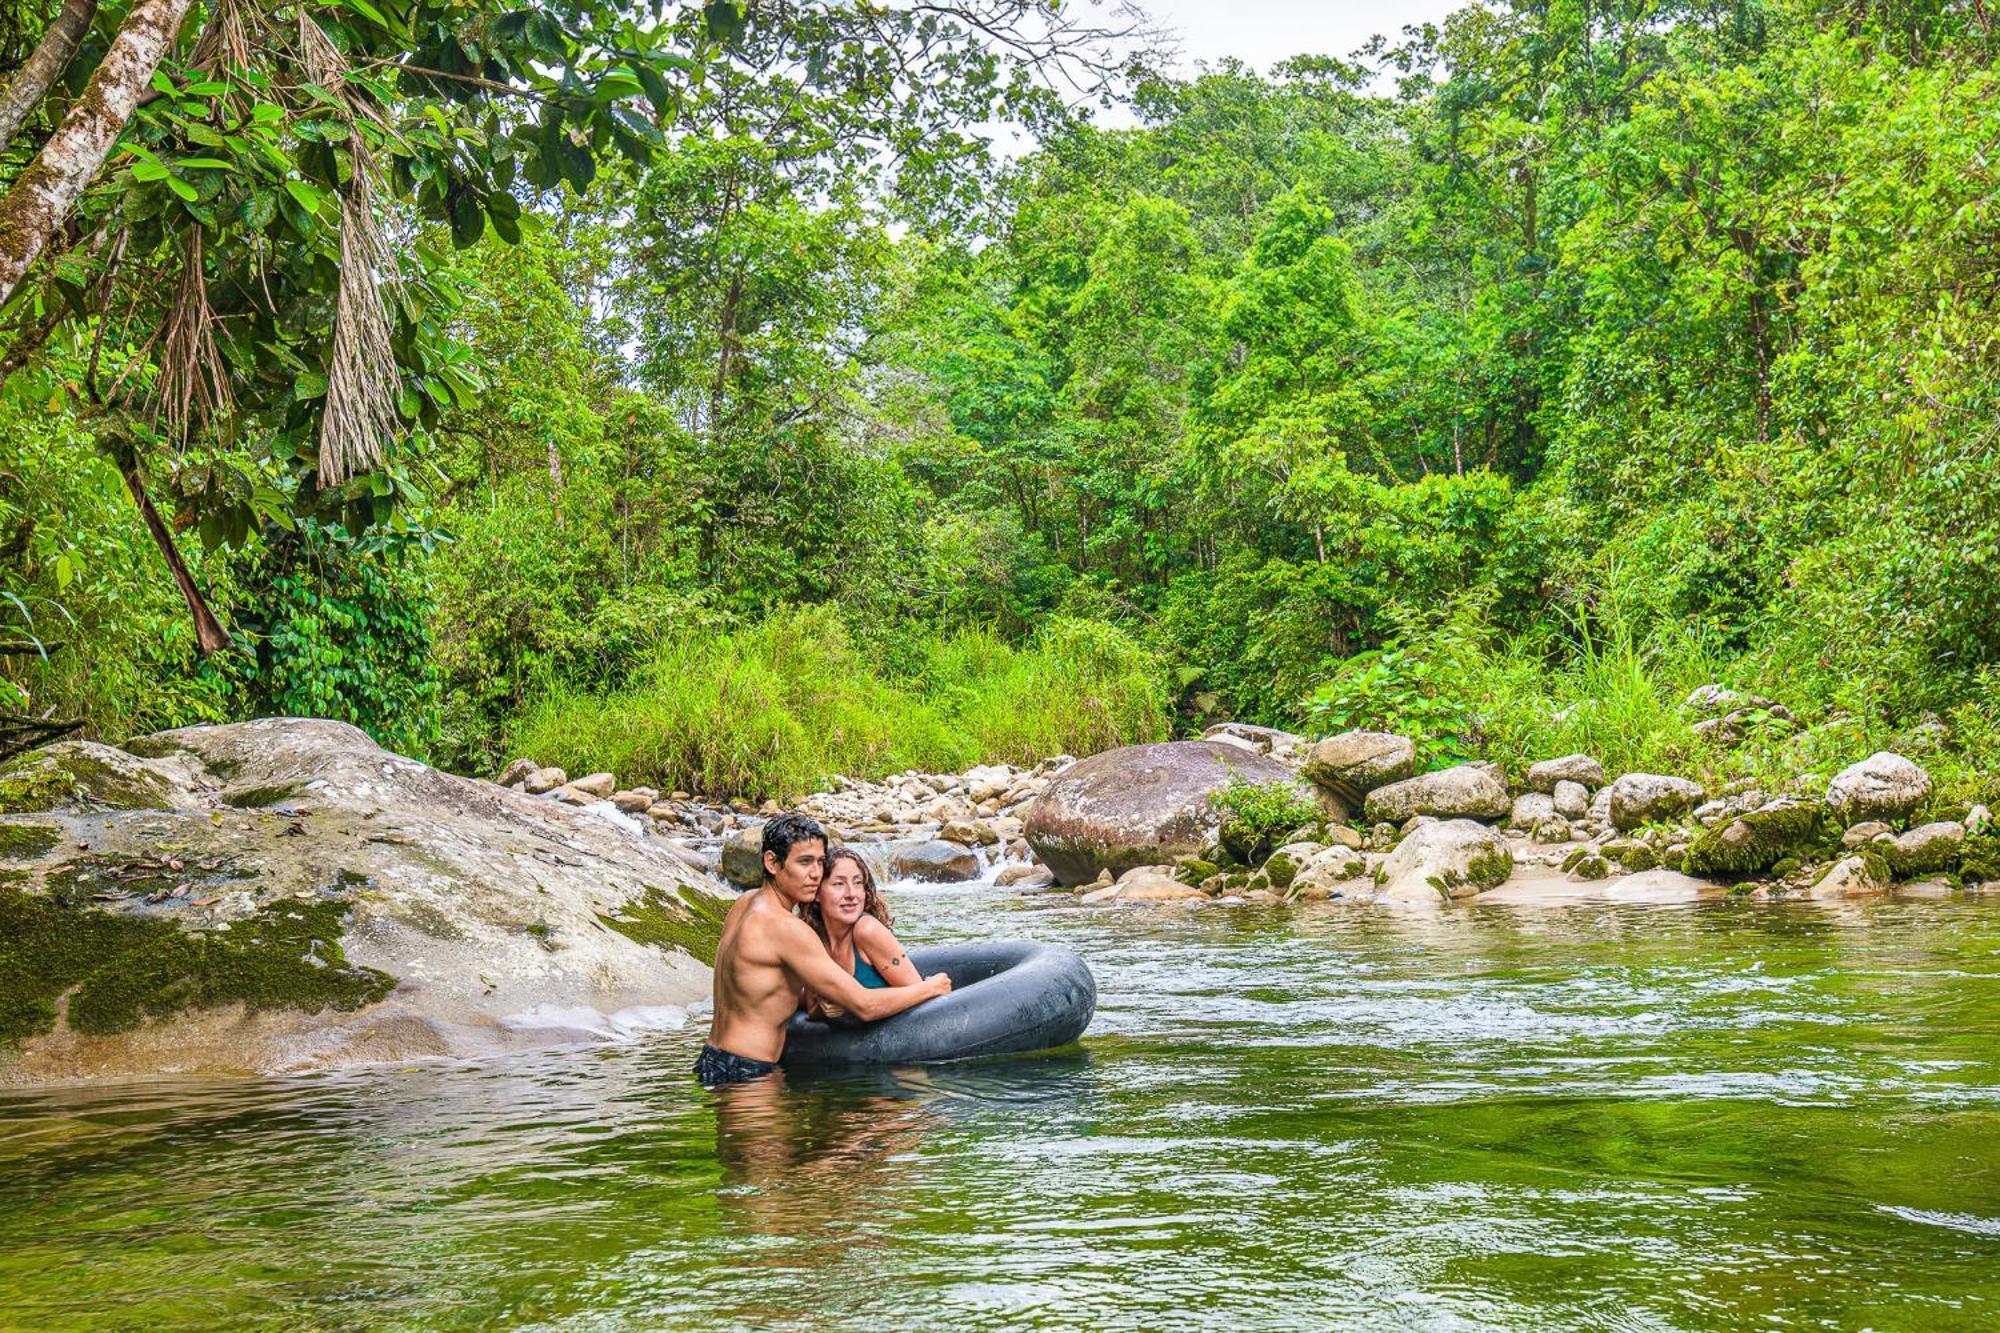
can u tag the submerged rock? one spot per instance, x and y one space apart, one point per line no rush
285 894
1140 805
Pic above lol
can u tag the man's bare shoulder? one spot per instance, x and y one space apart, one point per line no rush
770 923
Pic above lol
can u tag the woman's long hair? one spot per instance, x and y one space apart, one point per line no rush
871 899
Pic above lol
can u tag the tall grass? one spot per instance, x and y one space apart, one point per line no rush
778 708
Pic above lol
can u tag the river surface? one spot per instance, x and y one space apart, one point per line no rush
1635 1118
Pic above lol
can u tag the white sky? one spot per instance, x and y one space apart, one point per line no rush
1261 32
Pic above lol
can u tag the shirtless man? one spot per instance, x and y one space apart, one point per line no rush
766 955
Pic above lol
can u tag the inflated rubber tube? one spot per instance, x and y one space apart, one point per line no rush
1007 996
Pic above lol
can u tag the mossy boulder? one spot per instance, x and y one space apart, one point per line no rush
1755 841
1443 859
161 917
1142 805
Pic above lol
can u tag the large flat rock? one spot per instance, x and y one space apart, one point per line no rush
284 894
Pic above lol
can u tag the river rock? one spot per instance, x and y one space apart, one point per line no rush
1865 832
1022 876
1571 799
1756 840
516 773
1154 884
969 833
596 785
285 895
933 862
1529 809
543 781
1139 805
633 802
1334 872
1925 849
1639 798
1848 877
1355 763
1467 792
1883 786
1576 768
1551 830
743 856
1446 858
1265 740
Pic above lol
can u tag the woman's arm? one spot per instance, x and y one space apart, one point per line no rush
877 943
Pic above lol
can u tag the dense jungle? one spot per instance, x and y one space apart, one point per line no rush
744 394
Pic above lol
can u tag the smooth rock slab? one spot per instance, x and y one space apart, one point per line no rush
494 920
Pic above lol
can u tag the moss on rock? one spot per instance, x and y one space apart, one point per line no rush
665 920
1196 871
1755 841
1281 870
25 842
122 968
1489 870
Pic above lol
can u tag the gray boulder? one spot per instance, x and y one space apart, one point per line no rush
1638 798
543 780
1529 809
598 785
1355 763
933 862
1444 859
1140 805
1756 840
299 898
1883 786
1926 849
1470 791
1577 768
516 773
1264 740
1571 799
743 856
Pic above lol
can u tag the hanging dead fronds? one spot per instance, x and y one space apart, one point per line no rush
362 381
226 42
193 385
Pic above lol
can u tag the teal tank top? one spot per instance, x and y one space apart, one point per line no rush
865 973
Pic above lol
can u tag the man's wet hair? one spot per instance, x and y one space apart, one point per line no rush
788 831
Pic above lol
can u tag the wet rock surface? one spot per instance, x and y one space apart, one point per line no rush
296 897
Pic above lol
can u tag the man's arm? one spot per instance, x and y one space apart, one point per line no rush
800 950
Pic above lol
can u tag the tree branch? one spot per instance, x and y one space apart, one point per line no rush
25 91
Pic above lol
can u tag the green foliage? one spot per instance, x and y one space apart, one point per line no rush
1257 817
341 631
779 708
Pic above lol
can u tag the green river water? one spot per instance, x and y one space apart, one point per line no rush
1637 1117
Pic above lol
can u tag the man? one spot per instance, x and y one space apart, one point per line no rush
766 955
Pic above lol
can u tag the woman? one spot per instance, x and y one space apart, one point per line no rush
853 923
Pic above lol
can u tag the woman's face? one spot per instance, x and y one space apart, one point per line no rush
840 893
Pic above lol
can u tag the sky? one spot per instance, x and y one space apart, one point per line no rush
1261 32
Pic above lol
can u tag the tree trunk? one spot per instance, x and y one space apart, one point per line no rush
208 633
52 55
44 194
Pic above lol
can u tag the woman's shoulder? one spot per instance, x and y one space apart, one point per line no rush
869 930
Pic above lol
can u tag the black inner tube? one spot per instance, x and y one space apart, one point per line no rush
1007 996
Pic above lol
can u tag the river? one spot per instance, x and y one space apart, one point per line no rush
1635 1117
